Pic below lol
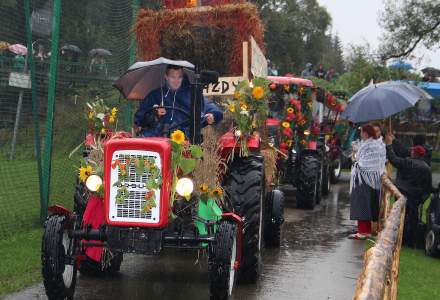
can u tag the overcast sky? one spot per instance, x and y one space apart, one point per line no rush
356 22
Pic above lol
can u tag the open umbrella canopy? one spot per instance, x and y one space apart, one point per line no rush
18 49
379 101
431 71
432 88
144 76
99 52
400 65
71 48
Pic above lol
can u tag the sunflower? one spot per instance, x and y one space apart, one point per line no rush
178 137
85 172
290 110
243 105
203 188
285 124
90 115
258 92
303 142
217 192
237 95
287 88
289 143
114 111
232 107
111 119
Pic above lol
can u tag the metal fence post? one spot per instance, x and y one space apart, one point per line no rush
129 111
35 117
50 107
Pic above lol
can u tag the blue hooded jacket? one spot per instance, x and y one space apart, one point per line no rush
180 98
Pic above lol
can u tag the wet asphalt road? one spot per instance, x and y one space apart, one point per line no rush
316 261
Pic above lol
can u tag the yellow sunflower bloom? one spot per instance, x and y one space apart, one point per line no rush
258 92
178 136
85 172
289 143
114 111
111 119
243 106
290 110
231 107
237 95
287 88
217 192
91 115
285 124
203 188
303 142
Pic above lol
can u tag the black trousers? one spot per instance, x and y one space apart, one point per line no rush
410 230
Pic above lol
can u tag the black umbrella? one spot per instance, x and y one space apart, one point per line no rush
71 48
145 76
99 52
431 71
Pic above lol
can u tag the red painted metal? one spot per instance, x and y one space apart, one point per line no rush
239 221
229 142
159 145
59 210
290 80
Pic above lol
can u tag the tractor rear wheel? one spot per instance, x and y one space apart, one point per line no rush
307 183
274 218
244 189
58 261
222 259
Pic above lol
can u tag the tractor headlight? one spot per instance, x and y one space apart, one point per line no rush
93 183
184 187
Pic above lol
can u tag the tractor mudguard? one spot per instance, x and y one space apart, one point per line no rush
229 141
59 210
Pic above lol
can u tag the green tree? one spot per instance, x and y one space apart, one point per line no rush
408 24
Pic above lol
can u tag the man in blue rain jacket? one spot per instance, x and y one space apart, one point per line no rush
152 119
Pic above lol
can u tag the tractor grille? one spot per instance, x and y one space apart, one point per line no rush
131 209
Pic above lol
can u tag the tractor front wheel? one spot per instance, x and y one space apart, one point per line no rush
222 259
274 218
308 181
58 261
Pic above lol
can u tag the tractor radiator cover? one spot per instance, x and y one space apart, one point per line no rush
130 212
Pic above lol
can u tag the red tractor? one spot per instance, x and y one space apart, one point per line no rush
295 129
124 219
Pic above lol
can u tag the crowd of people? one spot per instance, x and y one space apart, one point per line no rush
413 179
309 71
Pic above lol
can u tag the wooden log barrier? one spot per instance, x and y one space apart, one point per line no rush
379 276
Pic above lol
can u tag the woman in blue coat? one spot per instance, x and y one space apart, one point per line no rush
175 93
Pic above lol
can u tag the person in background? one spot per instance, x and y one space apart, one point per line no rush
308 71
418 140
320 73
365 182
414 181
330 75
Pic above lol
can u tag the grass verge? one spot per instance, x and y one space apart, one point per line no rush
21 264
418 276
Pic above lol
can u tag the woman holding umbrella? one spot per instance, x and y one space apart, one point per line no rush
366 180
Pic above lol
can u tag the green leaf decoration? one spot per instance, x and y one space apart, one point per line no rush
196 151
187 165
139 167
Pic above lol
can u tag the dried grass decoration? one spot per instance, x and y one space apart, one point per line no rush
192 30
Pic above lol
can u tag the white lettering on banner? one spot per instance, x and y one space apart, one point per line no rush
258 60
224 87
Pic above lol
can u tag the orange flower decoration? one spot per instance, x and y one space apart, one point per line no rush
290 110
258 92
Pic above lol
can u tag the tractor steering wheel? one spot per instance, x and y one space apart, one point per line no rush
166 130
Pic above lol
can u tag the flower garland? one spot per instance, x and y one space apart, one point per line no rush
142 168
249 109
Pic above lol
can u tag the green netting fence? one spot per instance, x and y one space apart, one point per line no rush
75 51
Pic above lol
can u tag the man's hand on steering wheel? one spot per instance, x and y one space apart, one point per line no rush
209 119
